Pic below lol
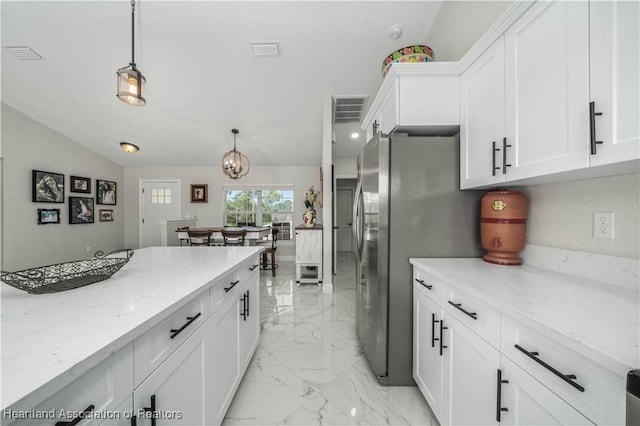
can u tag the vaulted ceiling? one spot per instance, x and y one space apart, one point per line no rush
202 76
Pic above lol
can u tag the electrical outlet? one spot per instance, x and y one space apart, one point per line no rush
603 225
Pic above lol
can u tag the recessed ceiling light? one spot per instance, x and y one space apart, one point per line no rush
355 135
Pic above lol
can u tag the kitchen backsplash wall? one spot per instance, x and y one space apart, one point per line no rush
29 145
561 214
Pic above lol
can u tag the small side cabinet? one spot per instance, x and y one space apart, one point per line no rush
309 254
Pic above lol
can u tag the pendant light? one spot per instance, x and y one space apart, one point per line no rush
234 163
131 82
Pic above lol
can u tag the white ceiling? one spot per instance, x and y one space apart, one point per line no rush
202 79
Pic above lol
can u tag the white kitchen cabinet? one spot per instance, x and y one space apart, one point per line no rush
427 361
121 416
178 392
308 252
482 127
614 40
470 366
528 402
546 90
94 394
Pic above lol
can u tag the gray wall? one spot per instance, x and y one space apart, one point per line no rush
460 24
27 145
210 214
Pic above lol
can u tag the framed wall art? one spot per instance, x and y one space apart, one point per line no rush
199 193
46 216
105 192
105 215
80 210
80 184
48 187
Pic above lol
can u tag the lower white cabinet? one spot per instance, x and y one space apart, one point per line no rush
467 369
178 391
525 401
470 366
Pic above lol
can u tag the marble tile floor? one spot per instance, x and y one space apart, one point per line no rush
309 368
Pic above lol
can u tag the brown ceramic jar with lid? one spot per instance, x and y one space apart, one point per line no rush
503 225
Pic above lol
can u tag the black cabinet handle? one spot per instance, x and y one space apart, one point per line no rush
233 284
569 378
77 419
429 286
442 327
499 407
504 156
251 268
433 330
493 160
134 421
174 333
246 311
460 308
152 410
592 126
375 127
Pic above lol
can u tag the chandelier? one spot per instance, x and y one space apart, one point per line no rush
130 80
234 163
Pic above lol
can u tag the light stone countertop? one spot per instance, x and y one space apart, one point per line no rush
599 320
48 340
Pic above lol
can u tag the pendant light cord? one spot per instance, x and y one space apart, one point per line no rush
133 10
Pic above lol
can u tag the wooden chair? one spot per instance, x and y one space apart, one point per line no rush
234 237
271 250
199 238
183 235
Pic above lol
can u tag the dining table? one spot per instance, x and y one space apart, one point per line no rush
254 233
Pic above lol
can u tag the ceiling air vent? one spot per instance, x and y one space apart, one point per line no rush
24 53
349 109
265 48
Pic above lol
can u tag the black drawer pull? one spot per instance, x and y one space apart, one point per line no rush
505 145
459 307
152 410
569 378
442 328
429 286
433 330
174 333
493 160
499 407
134 421
77 419
251 268
233 284
592 127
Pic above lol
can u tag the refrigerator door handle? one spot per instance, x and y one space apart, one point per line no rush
357 220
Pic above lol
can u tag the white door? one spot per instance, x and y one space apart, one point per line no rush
344 216
159 200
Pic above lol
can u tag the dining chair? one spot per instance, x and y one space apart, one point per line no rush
234 237
270 250
183 235
199 238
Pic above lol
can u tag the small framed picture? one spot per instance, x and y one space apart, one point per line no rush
80 184
105 192
105 215
199 193
80 210
46 216
48 187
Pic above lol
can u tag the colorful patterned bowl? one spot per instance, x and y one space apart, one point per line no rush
415 53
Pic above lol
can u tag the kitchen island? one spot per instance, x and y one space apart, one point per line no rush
50 341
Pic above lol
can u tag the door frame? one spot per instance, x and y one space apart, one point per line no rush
352 191
141 182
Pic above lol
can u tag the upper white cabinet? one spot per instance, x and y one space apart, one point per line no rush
525 103
614 39
420 99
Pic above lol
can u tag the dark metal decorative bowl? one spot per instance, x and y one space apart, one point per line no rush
68 275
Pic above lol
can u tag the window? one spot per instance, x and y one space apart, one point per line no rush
261 207
161 196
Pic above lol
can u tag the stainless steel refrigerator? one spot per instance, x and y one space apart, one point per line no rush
407 204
